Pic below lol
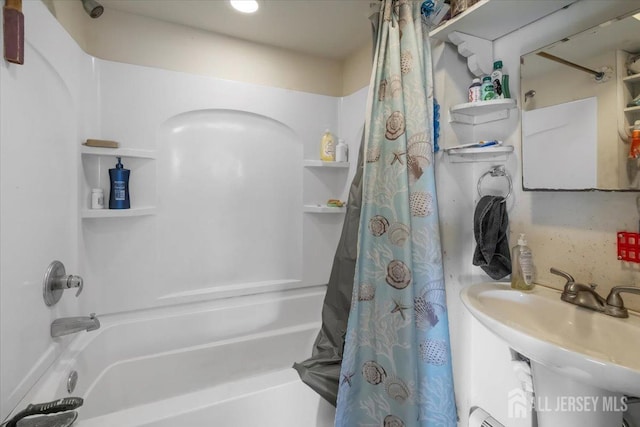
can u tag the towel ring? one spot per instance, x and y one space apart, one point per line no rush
496 171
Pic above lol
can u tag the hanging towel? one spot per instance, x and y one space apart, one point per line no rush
490 224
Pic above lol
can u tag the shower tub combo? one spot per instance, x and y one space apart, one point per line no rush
224 362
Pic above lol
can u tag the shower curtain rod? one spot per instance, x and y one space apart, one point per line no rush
598 74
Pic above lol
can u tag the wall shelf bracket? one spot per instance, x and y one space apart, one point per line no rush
479 52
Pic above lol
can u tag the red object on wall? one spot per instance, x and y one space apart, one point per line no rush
629 246
13 31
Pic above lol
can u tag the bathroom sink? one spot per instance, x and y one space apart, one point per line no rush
583 345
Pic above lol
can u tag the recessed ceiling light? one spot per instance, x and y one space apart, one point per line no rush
637 16
245 6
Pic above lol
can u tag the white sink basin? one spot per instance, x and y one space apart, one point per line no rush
589 347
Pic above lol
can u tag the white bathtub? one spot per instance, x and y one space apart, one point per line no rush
226 362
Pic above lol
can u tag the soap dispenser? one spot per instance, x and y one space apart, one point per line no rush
119 193
522 270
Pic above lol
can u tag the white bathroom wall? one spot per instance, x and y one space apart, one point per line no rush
135 39
140 106
42 111
573 231
228 215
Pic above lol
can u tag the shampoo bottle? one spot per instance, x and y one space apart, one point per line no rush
342 151
119 193
327 147
487 91
522 266
496 79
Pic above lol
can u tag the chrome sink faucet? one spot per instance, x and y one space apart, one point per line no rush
586 296
614 301
579 294
71 325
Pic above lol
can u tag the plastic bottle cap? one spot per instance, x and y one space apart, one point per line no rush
497 65
119 164
476 80
636 125
486 79
522 241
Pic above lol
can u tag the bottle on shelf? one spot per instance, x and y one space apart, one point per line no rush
327 147
634 149
97 198
119 192
475 91
342 151
497 80
487 90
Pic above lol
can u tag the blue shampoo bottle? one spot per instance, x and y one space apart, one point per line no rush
119 194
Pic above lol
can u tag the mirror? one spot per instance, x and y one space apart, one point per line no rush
578 110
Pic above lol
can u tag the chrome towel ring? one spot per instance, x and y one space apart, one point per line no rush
496 171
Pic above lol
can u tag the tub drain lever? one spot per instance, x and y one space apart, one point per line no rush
55 406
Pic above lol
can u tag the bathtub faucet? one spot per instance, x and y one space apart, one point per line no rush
71 325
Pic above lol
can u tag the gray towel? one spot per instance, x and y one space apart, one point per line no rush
490 224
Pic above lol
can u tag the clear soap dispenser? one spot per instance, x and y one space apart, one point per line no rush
522 270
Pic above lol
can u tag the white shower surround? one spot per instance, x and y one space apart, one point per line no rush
256 138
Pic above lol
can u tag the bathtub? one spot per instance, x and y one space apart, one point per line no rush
225 362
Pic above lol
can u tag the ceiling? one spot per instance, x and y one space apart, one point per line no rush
326 28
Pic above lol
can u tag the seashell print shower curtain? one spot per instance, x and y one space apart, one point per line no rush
396 368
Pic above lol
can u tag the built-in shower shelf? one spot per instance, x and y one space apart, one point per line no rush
96 162
324 209
118 213
119 152
323 164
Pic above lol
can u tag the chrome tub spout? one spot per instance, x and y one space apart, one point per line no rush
71 325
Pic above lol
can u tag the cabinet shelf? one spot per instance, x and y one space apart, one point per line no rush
118 213
505 16
323 209
323 164
632 78
632 109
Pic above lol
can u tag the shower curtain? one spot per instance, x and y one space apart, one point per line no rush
396 368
